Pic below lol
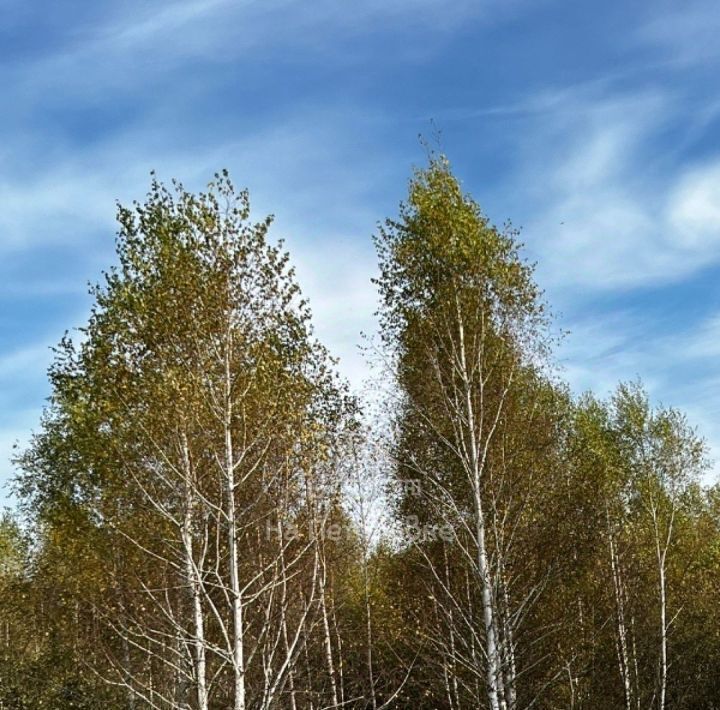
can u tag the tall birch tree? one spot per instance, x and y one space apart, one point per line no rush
198 420
466 325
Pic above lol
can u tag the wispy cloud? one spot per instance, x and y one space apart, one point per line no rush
132 45
693 211
616 206
687 33
604 209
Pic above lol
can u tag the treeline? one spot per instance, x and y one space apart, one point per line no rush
209 521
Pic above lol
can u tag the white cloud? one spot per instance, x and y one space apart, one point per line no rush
705 341
61 205
343 301
602 208
253 22
133 46
694 207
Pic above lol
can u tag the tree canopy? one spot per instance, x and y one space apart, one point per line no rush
210 520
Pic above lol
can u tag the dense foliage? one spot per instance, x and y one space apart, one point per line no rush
208 521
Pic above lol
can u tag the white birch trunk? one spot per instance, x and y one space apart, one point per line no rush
622 635
491 646
661 553
194 583
238 659
328 639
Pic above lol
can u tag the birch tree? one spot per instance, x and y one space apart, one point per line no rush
197 415
465 323
664 458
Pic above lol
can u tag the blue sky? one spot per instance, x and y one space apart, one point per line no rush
593 126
